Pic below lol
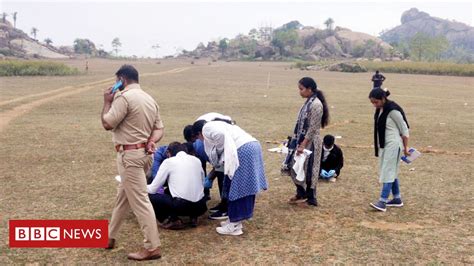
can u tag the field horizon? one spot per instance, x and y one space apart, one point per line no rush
59 163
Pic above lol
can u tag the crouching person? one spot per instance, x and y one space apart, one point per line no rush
332 160
184 197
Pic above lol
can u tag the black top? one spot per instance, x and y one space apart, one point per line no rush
334 161
378 80
380 122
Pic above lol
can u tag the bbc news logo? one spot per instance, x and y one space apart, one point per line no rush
58 233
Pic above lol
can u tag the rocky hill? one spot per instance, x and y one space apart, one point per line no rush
16 43
414 21
296 41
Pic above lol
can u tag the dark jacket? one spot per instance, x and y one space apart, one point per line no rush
335 160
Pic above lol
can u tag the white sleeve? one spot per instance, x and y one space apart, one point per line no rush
160 178
400 122
214 138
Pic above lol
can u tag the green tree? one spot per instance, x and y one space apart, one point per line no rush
292 25
254 34
438 45
223 44
48 41
283 38
116 44
34 31
243 45
419 45
329 23
84 46
424 47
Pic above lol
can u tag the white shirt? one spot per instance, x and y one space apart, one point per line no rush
211 116
185 177
221 141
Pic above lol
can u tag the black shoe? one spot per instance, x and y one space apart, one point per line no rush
216 208
111 244
193 222
312 202
395 203
218 215
379 205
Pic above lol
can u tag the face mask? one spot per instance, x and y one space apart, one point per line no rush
326 149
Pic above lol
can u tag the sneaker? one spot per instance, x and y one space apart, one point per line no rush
215 208
332 179
218 215
379 205
296 199
232 229
224 223
395 203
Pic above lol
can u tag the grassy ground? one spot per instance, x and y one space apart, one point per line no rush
58 163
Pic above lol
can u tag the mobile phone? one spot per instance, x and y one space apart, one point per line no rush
116 86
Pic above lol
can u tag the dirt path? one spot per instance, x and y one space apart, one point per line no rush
7 116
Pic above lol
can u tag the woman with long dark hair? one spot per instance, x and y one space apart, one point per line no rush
313 116
390 138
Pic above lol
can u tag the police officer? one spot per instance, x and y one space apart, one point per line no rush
134 119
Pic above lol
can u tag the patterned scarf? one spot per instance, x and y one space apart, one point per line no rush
302 124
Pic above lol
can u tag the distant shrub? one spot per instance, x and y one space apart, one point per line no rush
35 68
306 64
6 52
427 68
348 67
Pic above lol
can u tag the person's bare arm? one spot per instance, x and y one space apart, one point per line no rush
156 136
405 146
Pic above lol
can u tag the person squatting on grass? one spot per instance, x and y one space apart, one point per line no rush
312 116
332 160
390 138
133 117
244 170
184 196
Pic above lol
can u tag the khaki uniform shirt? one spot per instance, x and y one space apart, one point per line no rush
133 115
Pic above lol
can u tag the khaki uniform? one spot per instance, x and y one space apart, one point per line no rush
133 115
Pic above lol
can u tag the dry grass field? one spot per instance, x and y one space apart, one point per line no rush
57 162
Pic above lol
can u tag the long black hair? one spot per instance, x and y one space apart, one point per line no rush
308 82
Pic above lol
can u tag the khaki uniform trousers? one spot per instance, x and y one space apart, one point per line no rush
132 194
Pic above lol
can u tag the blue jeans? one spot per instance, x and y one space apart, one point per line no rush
393 187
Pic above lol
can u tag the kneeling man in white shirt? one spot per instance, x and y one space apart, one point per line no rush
185 194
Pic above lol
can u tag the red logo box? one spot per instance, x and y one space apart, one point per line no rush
58 233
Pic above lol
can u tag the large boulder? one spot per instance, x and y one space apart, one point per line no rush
414 21
265 52
413 14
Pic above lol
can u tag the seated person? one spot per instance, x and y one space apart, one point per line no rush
184 176
332 159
